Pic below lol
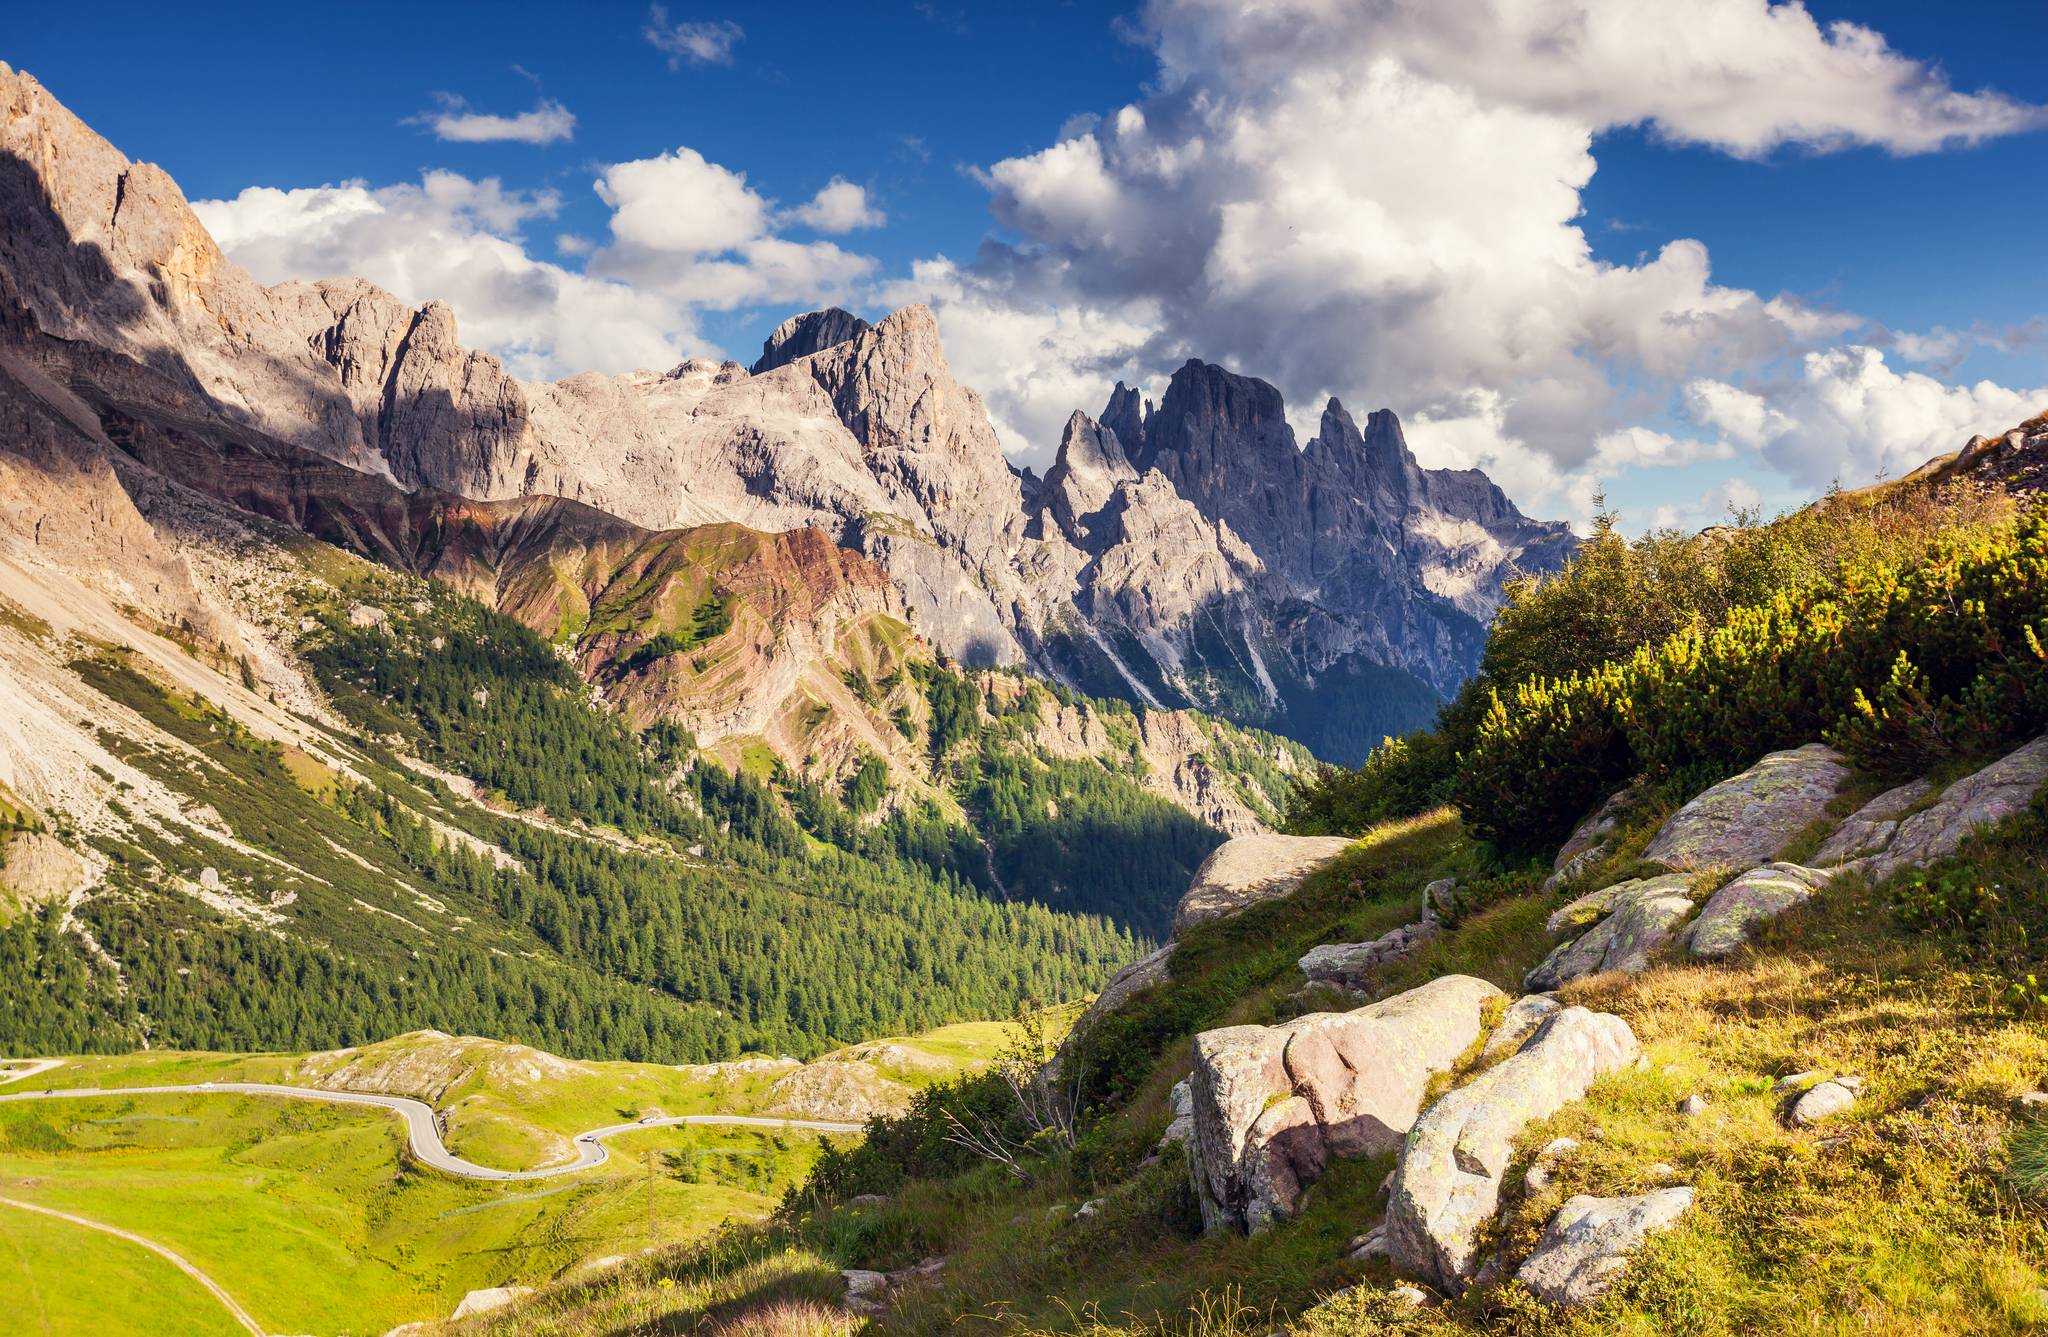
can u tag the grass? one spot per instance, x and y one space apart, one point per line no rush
313 1221
133 1290
1919 1210
310 1216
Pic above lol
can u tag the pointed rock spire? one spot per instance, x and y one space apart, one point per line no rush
811 332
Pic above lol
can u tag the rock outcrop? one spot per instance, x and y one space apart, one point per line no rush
1274 1104
1586 1246
1748 819
1733 914
1448 1183
1639 917
1243 872
1869 830
1977 801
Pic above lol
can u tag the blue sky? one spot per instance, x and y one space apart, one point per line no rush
1412 140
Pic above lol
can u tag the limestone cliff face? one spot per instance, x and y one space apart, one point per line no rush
1183 554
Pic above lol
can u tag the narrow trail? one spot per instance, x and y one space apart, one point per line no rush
213 1288
423 1128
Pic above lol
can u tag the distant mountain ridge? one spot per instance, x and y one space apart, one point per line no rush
1186 553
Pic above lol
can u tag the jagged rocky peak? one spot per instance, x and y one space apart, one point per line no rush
1090 466
811 332
1126 416
1375 464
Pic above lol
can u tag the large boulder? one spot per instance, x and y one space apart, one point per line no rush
1733 914
1273 1104
1642 918
1978 801
1448 1182
1748 819
1243 872
1870 828
1587 1245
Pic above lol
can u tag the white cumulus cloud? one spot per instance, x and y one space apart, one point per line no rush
1383 200
841 206
1848 415
548 123
457 240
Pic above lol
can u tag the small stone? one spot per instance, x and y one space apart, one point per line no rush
1853 1083
1693 1106
866 1292
1824 1101
2034 1100
1372 1244
1088 1209
1411 1294
1661 1170
1541 1168
1797 1081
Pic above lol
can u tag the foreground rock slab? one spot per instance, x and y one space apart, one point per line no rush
1243 872
1587 1245
1748 819
1732 915
1448 1183
1274 1104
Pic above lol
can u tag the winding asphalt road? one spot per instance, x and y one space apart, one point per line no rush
423 1129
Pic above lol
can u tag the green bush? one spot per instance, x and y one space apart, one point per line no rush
1898 663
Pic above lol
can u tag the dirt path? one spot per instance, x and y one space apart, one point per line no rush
213 1288
423 1128
20 1069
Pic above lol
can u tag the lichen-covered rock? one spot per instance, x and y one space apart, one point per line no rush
1243 872
1132 980
1870 828
1590 908
1586 1246
1999 791
1448 1182
1644 918
866 1292
1733 914
1273 1104
1518 1023
1748 819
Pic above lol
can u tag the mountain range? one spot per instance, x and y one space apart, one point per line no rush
1183 553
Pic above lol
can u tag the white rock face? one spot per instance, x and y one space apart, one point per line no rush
1448 1182
1586 1246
